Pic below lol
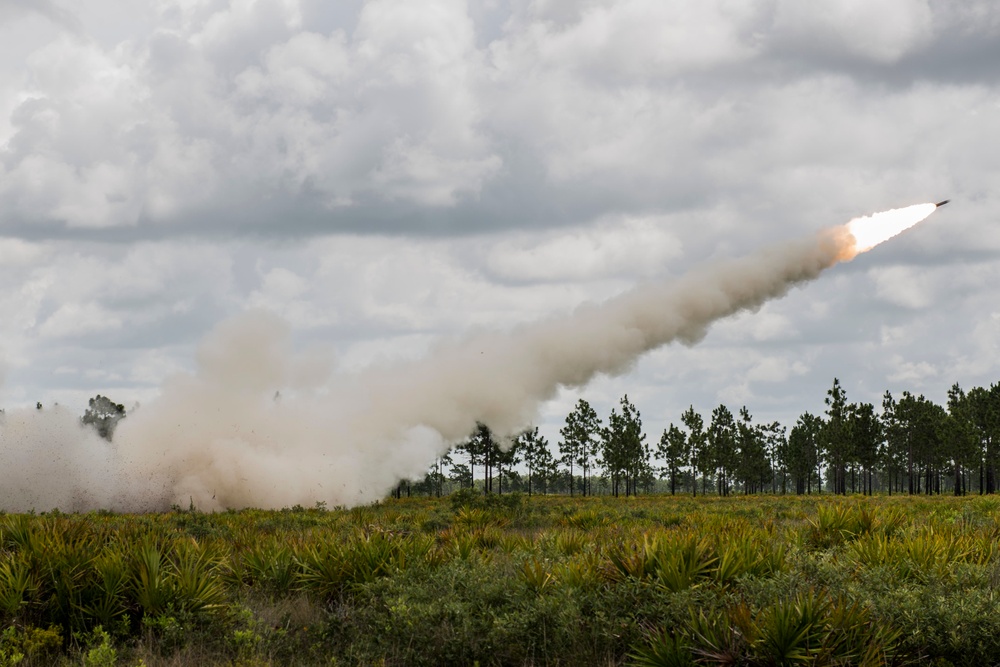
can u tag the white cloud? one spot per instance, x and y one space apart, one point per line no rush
881 32
911 372
299 72
984 350
151 367
150 129
19 253
245 25
217 115
494 165
394 110
287 294
632 38
775 369
891 336
766 324
904 286
13 9
90 147
78 319
630 247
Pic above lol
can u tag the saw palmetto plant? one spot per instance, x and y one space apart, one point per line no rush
545 580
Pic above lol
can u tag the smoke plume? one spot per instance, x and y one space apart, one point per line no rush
221 438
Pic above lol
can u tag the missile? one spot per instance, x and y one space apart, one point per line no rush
942 203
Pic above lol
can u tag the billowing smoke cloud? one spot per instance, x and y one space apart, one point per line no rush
222 437
47 460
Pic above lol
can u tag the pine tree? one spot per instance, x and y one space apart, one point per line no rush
673 450
836 439
580 442
537 457
722 442
701 455
803 452
624 450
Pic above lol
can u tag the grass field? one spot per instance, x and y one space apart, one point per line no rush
511 580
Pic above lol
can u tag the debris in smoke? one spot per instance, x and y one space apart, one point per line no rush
48 459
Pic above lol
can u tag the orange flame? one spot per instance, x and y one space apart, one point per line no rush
871 230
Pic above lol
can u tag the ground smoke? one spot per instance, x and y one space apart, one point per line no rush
221 439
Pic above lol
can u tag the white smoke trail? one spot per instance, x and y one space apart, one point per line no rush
219 438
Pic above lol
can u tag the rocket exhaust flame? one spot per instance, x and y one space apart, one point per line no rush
871 230
218 438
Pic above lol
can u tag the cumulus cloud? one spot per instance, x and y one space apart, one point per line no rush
986 338
19 253
12 9
910 372
385 173
154 128
392 108
904 286
633 39
620 247
879 32
78 319
221 115
89 147
775 369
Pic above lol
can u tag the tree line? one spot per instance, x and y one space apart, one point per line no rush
911 445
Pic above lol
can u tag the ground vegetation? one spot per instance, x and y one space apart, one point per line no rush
511 580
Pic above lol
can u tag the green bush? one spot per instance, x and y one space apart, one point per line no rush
510 580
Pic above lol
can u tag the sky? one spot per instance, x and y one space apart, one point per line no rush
388 176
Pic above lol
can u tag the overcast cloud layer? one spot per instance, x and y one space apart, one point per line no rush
388 173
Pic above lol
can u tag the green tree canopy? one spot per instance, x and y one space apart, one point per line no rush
103 415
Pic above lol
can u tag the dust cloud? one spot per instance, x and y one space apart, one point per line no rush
221 438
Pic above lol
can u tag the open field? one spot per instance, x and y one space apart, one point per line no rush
511 580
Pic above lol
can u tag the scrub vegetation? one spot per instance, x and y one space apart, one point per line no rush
511 580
